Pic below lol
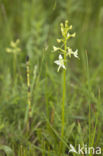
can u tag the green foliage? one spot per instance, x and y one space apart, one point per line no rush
7 150
36 24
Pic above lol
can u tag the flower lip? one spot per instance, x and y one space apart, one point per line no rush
76 54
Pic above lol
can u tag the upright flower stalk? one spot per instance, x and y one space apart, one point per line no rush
15 50
64 53
28 94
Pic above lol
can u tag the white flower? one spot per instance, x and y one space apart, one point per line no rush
71 52
62 27
68 35
8 50
58 40
14 44
76 54
55 48
71 35
70 27
60 63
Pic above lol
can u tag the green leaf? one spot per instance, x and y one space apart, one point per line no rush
69 130
7 150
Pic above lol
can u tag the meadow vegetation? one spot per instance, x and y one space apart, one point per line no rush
31 119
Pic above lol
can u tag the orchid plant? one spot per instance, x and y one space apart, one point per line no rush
64 53
15 50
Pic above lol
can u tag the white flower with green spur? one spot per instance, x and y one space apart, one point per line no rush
60 63
71 52
55 48
76 54
70 35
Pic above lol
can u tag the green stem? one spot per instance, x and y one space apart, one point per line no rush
89 100
64 96
14 65
89 124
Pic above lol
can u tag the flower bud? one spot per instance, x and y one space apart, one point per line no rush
55 48
70 27
66 24
58 40
73 35
8 50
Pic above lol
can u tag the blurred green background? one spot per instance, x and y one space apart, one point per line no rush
37 24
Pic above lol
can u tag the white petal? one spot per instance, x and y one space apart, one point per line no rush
68 35
76 54
60 57
73 35
57 62
59 68
55 48
63 66
70 50
70 27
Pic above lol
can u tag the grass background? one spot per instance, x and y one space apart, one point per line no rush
37 24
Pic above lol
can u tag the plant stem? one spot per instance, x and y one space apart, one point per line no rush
29 94
14 66
89 100
64 96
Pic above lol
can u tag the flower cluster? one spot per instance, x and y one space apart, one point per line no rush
65 51
14 47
